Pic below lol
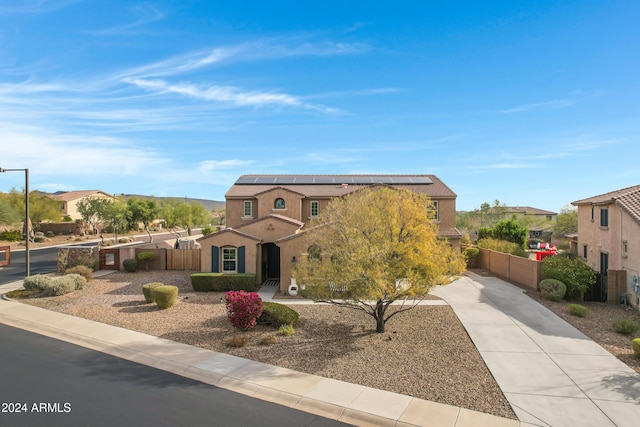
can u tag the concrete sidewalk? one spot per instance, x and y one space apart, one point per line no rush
350 403
551 373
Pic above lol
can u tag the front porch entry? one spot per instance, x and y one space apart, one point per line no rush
270 262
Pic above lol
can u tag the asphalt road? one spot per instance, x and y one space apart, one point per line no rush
43 260
46 382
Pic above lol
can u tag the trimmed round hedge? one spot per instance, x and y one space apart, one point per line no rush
635 344
165 296
147 288
275 314
130 265
552 289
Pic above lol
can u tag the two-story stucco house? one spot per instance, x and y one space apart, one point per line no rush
265 215
69 200
609 239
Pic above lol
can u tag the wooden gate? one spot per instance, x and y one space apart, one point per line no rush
183 259
109 259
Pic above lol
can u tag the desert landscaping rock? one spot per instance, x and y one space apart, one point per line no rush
425 353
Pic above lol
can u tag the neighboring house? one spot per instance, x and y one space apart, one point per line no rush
529 212
266 213
609 240
69 200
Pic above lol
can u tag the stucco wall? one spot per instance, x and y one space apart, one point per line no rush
446 213
288 249
524 272
229 239
266 203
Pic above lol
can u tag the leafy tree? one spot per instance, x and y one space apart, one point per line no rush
566 221
96 211
374 247
8 215
114 215
511 231
570 270
143 211
486 215
179 213
41 206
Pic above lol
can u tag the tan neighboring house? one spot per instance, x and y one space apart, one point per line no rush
609 240
265 215
529 212
69 200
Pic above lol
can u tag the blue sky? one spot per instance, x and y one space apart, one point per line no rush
533 103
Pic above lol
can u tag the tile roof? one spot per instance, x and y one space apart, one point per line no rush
435 190
528 210
68 196
627 198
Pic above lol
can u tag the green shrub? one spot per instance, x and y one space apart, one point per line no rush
11 235
165 296
39 239
147 288
286 330
471 256
275 314
79 280
577 276
206 230
552 289
50 234
578 310
82 270
130 265
61 285
236 341
624 326
146 257
502 246
37 281
219 282
635 344
87 261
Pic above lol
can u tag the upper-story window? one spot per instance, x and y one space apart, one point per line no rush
432 211
315 208
279 203
593 213
247 211
625 248
604 217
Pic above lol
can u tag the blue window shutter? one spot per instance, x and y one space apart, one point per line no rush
215 259
241 259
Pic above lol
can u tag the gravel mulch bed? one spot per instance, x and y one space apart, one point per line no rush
425 352
597 325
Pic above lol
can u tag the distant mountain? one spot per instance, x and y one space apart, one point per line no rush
208 204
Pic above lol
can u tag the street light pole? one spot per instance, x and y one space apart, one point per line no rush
26 212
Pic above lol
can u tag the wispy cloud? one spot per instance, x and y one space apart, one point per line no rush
357 92
259 50
146 14
547 105
20 7
226 94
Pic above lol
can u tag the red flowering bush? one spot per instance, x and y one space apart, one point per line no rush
243 308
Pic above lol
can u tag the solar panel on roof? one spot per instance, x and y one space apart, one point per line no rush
333 179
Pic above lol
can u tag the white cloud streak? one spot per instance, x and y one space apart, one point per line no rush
547 105
147 14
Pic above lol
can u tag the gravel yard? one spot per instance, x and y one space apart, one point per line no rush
425 352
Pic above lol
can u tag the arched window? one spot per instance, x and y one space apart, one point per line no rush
279 203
